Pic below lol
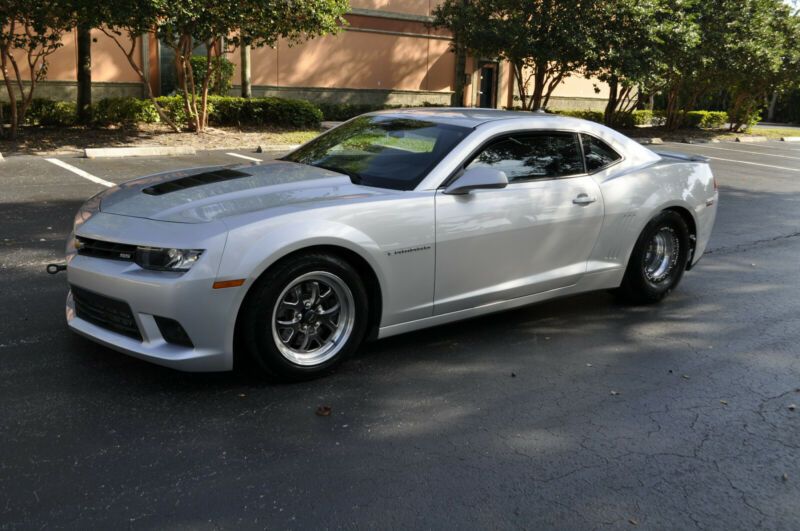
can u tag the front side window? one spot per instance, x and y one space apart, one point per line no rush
533 156
598 154
382 151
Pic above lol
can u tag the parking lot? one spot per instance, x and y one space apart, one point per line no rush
574 414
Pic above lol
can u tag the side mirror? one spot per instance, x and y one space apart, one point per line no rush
479 178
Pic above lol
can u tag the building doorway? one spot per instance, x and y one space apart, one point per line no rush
487 87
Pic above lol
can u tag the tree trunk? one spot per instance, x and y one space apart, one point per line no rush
538 86
84 74
12 96
247 89
460 72
673 107
773 101
611 105
143 76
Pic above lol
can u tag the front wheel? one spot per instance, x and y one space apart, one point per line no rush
658 260
304 316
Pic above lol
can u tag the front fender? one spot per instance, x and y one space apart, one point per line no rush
395 238
251 250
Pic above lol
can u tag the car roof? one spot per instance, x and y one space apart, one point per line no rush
463 116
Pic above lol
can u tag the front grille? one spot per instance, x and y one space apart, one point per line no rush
105 312
108 250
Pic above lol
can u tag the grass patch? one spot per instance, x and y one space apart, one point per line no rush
290 137
774 132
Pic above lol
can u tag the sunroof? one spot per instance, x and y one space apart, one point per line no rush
191 181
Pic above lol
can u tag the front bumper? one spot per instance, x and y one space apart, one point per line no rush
204 314
207 315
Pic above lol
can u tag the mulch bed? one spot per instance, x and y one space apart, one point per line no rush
52 140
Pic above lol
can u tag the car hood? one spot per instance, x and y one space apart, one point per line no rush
200 195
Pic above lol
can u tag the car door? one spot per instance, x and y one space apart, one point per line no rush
533 236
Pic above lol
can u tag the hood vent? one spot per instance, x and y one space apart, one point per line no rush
209 177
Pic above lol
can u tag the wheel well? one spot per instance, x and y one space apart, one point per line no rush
365 271
692 226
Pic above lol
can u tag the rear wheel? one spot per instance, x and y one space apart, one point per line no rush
658 260
304 316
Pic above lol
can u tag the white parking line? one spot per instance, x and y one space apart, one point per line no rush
756 164
245 157
78 171
752 152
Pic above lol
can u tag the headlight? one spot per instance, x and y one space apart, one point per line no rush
87 210
166 259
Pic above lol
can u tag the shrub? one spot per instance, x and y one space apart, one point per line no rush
58 113
642 117
594 116
220 85
47 112
745 117
173 107
116 111
345 111
277 112
706 119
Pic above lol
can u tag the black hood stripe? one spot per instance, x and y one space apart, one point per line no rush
209 177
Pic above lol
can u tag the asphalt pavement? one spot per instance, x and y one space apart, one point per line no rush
573 414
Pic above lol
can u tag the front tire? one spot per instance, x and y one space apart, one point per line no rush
304 316
658 260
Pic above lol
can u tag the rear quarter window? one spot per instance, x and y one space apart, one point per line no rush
598 154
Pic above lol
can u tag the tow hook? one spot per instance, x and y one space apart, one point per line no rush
54 269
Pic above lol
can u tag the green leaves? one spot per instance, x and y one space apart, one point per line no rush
544 40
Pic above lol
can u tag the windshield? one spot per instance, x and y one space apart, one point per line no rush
382 151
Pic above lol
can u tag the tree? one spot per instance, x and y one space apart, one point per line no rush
29 34
544 41
755 55
244 65
84 77
126 22
87 16
218 24
736 47
457 16
623 53
678 56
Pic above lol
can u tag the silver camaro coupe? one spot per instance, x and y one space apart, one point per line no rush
391 222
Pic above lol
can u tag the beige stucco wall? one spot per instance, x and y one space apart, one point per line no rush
112 75
109 63
355 60
411 7
392 58
575 92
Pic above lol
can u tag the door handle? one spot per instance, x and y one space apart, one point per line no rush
584 199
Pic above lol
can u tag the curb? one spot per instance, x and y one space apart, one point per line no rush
329 124
275 147
751 139
649 141
785 139
700 141
101 153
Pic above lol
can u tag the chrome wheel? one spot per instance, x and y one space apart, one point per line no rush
313 318
661 256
